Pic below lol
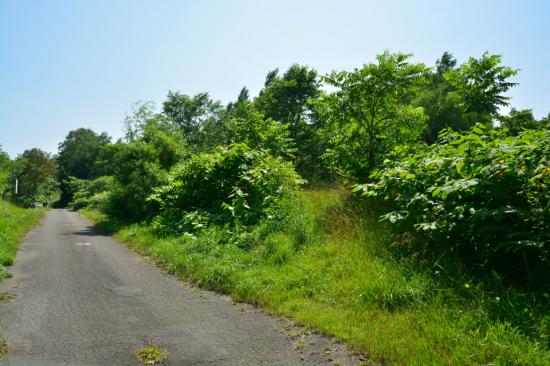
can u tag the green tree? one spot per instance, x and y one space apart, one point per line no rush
482 84
518 120
187 115
48 192
446 63
441 104
367 112
238 108
545 122
287 100
137 171
244 95
77 156
5 167
138 167
35 171
168 148
245 124
136 120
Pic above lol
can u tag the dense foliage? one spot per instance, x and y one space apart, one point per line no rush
517 121
482 84
4 173
369 112
287 100
483 194
29 178
234 185
479 194
77 158
92 194
35 171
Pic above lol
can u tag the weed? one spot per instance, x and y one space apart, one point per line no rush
151 355
6 297
4 348
4 273
299 345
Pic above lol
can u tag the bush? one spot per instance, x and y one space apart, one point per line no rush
91 194
234 185
482 194
137 169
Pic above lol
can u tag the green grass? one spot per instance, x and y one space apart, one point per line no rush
331 268
14 224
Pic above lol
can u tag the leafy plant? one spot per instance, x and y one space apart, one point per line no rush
92 194
137 172
482 84
516 121
232 185
248 126
482 194
368 114
151 355
35 171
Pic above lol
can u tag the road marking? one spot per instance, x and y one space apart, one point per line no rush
83 244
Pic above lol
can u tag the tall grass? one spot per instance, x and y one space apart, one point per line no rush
329 265
14 223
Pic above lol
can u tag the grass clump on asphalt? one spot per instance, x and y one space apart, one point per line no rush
6 297
14 224
151 355
330 264
4 347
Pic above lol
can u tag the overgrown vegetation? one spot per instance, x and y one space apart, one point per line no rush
482 196
328 262
14 223
235 186
442 260
29 178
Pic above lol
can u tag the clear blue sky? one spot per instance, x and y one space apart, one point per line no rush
69 64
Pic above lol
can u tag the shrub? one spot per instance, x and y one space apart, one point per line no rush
233 185
92 194
137 172
482 194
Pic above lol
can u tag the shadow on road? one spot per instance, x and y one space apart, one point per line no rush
89 231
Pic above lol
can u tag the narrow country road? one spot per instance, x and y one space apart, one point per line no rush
83 299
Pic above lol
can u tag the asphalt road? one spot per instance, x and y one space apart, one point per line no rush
81 298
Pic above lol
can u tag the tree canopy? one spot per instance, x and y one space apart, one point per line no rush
369 113
482 84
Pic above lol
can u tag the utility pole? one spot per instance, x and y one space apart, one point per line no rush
16 186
